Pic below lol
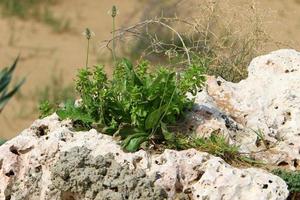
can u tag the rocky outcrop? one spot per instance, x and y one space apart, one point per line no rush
49 161
260 113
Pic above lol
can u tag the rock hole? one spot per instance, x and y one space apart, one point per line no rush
219 83
243 176
38 169
187 191
178 187
276 107
295 163
265 186
287 71
157 176
282 164
42 130
136 161
14 150
10 173
8 197
168 189
199 175
270 181
183 176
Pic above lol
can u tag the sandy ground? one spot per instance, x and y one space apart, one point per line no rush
45 53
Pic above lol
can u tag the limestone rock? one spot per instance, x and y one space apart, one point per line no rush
260 113
49 161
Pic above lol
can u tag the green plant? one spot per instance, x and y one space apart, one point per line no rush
136 105
5 80
215 144
2 141
46 109
50 96
292 179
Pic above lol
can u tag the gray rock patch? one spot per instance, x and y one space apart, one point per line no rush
100 178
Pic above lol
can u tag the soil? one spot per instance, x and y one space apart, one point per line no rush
45 53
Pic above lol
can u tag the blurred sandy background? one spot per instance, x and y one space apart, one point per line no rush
47 53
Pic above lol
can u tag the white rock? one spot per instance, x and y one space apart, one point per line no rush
25 169
268 100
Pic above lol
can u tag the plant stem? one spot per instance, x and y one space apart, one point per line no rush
294 196
87 53
113 40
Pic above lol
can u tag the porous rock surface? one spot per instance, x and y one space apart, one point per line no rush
261 114
49 161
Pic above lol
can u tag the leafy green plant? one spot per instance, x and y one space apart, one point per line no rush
292 179
5 80
135 105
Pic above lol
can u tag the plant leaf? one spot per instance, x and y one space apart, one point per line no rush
135 143
74 113
153 118
132 143
168 136
6 96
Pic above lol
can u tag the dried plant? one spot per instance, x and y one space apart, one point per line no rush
211 32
